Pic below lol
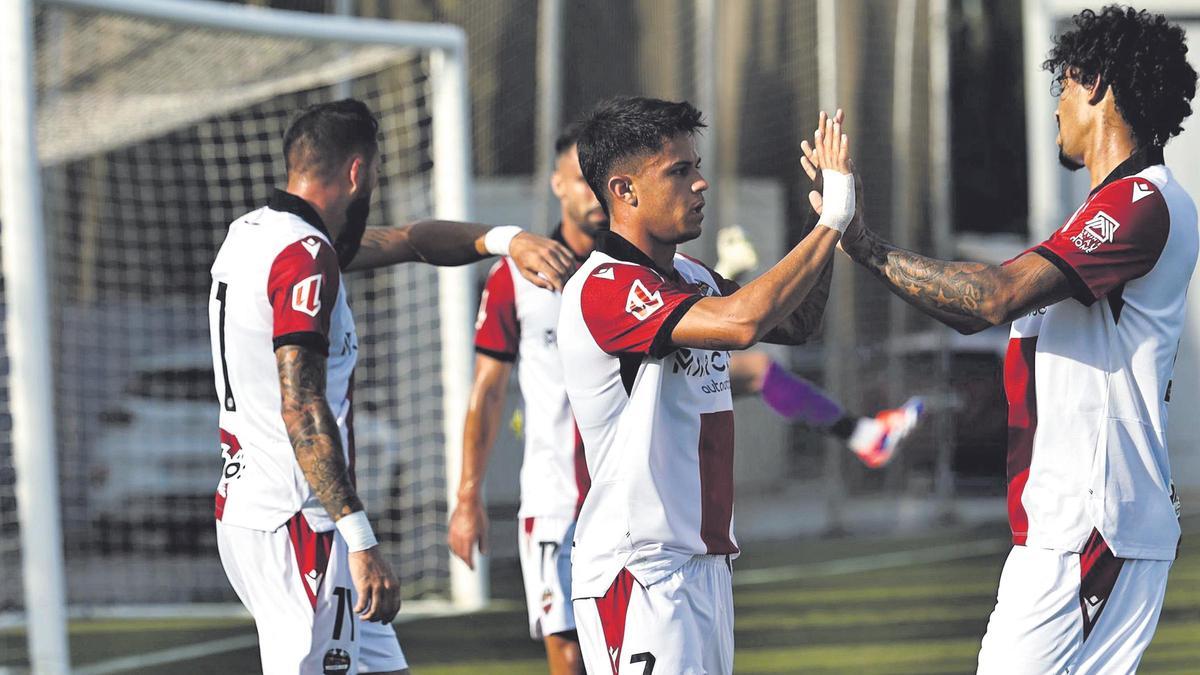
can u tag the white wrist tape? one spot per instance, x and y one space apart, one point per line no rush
497 240
837 200
356 530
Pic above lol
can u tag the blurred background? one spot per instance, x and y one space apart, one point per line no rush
153 136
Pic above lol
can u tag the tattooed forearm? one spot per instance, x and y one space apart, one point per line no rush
313 429
959 294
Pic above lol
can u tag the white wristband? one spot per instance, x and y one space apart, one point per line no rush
356 530
837 200
497 239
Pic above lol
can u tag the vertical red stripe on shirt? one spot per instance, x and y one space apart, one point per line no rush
716 481
1022 423
583 480
312 554
613 608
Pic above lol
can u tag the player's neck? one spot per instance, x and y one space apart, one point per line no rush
324 202
1111 144
662 254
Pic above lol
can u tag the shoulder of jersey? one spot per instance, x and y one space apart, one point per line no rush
617 271
1128 191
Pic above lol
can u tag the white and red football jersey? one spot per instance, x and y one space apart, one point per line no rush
276 281
1088 378
517 318
656 420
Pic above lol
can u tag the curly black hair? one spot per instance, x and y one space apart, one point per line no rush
1141 56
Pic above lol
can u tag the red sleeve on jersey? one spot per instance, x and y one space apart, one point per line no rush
302 288
497 333
631 310
1116 238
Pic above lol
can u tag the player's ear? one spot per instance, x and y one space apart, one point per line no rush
357 172
1096 91
556 183
620 188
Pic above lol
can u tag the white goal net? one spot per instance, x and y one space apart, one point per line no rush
152 137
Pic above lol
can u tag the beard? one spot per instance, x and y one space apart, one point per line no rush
592 222
1068 163
351 236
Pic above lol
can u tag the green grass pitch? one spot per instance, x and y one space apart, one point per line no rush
853 605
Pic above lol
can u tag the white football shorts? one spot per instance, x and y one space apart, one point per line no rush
1077 613
296 584
682 624
545 549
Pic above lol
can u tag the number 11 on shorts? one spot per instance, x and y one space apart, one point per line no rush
345 609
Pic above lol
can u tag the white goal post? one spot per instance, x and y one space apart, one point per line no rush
25 271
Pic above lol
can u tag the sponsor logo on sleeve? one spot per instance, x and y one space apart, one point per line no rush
1101 229
641 303
306 295
605 273
1140 190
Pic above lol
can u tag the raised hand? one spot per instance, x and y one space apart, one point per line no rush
814 160
544 262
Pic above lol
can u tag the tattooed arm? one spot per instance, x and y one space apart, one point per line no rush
447 243
317 442
313 429
966 296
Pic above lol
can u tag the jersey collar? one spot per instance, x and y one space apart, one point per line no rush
614 245
289 203
1136 163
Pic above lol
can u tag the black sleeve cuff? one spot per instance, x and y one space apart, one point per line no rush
499 356
1080 290
313 341
661 346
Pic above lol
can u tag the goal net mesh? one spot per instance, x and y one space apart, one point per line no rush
153 137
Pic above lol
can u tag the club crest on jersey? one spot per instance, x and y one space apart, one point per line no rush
306 295
1101 229
641 303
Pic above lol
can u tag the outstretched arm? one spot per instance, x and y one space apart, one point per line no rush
966 296
448 243
759 309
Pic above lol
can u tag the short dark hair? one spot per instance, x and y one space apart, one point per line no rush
1141 56
568 138
627 126
323 136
